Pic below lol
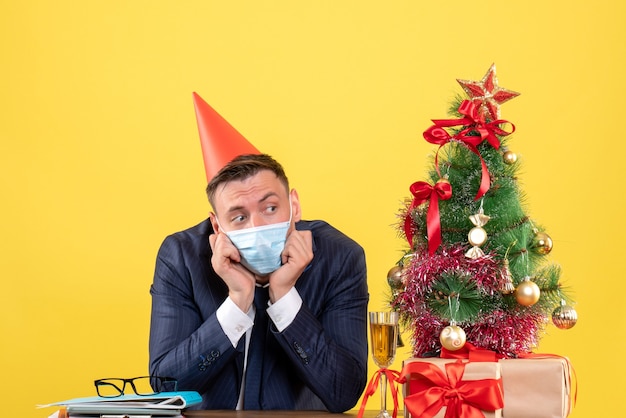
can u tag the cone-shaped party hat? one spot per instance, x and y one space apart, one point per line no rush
219 140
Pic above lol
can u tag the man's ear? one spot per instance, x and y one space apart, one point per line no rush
296 211
214 224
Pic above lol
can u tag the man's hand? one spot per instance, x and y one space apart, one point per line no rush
226 263
296 255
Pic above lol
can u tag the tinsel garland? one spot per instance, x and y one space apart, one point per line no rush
505 329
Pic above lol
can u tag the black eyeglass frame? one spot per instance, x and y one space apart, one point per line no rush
155 381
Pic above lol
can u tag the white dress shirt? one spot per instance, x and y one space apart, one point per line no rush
236 323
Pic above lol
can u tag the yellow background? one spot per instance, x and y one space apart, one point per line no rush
100 157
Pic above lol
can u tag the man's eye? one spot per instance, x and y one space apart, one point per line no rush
271 209
238 219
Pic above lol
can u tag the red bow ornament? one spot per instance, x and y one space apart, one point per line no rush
434 389
475 124
423 192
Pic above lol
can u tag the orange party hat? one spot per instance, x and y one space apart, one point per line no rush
219 140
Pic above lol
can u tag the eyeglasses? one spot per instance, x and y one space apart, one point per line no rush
143 386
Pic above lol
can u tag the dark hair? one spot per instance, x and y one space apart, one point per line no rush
242 167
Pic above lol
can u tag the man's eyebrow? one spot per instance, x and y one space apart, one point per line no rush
262 199
234 209
267 196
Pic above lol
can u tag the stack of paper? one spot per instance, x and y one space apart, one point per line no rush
165 404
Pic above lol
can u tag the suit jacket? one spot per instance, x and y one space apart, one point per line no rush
317 362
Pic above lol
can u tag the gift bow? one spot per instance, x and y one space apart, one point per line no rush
462 398
475 123
472 353
392 377
477 354
423 192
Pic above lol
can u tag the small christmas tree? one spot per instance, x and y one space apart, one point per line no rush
476 268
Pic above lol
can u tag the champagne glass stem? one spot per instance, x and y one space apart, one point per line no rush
383 393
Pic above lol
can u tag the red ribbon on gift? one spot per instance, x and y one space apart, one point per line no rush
392 378
472 353
438 135
462 398
423 192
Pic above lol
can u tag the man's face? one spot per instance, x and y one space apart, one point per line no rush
256 201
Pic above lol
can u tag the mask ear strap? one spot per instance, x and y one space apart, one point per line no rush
217 220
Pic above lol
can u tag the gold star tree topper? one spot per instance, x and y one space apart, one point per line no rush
487 95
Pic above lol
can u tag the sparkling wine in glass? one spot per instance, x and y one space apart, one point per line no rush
384 337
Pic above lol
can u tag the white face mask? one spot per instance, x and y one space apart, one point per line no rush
260 247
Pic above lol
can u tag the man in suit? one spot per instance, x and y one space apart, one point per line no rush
255 308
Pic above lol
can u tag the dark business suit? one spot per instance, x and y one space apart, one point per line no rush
317 362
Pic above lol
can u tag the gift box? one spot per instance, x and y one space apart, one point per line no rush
432 385
536 387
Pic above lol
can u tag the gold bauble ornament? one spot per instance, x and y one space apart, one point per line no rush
527 292
564 316
509 157
452 337
395 277
443 180
542 243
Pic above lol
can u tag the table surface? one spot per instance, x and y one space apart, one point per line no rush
265 414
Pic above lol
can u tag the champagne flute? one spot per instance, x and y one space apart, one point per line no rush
384 336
